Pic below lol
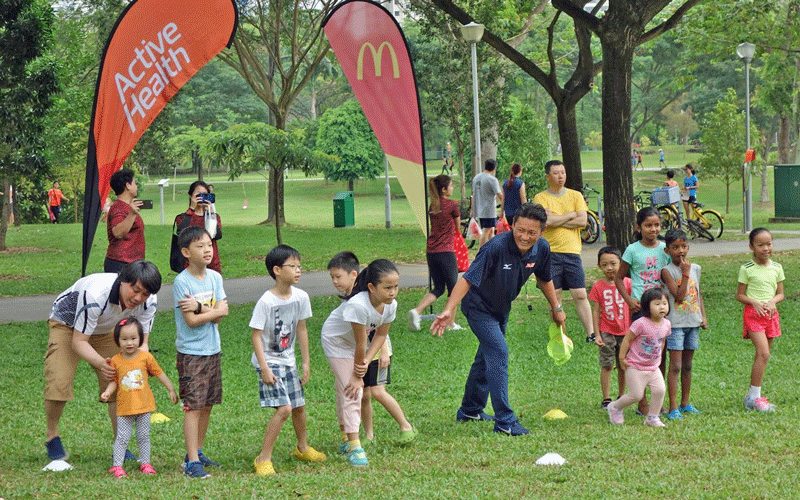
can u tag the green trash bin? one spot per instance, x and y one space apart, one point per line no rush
343 209
787 191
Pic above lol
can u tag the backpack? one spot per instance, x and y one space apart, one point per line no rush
176 258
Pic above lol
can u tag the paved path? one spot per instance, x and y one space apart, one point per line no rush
318 283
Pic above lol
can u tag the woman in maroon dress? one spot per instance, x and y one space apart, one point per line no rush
202 214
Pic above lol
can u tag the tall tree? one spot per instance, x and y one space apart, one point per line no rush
27 80
277 49
565 96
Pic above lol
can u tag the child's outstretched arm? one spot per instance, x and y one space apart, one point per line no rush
302 340
112 386
378 342
446 316
173 396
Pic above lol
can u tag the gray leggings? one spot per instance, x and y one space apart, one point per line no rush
124 429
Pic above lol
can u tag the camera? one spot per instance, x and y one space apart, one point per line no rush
206 198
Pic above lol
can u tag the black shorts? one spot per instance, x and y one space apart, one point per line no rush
376 375
488 222
566 270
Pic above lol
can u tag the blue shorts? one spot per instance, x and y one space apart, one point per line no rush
488 222
684 339
286 390
566 269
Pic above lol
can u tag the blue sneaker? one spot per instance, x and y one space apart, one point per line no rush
344 447
130 456
689 409
207 462
480 417
675 415
357 457
195 470
55 450
513 429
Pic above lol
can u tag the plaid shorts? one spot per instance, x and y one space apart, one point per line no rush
199 380
287 389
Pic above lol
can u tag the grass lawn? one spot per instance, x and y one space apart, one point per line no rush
724 453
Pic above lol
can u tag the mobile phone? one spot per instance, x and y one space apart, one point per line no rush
147 204
207 198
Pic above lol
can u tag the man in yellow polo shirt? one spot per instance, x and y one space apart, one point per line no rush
566 216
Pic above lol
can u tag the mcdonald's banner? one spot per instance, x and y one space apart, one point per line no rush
155 47
373 53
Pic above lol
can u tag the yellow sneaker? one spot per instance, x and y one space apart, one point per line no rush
310 455
263 468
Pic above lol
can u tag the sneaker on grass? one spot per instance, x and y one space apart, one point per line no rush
614 415
513 429
480 417
357 457
195 470
654 421
414 320
55 450
118 472
758 404
147 469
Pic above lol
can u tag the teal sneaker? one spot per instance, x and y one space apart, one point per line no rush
344 448
689 409
675 415
357 457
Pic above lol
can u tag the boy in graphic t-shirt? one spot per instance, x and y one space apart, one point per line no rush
278 322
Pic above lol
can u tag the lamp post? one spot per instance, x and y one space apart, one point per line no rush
472 33
746 51
549 139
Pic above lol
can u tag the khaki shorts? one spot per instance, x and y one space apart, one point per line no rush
609 353
199 380
60 362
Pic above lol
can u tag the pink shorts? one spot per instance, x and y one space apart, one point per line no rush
771 326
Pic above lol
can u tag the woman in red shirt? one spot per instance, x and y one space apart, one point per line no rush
445 219
124 225
203 215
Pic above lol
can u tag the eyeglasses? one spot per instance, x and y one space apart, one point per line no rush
293 266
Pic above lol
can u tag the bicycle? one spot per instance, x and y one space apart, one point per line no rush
711 220
672 218
591 232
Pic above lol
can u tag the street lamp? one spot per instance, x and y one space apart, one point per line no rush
549 139
473 33
746 51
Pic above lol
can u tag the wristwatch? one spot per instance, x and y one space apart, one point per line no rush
557 309
199 308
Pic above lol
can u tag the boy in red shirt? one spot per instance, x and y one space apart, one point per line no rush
611 318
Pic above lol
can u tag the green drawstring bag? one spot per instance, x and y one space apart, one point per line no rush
560 346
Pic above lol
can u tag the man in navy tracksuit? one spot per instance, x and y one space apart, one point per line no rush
495 278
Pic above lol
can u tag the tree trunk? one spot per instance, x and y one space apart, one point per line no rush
5 213
350 185
197 164
784 139
570 145
489 143
617 176
766 139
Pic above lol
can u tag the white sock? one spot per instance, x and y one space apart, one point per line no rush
755 392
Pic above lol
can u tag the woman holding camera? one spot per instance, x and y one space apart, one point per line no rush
124 225
202 213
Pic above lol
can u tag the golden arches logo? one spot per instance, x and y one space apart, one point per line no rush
376 59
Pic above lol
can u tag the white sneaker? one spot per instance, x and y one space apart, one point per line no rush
455 326
413 320
758 404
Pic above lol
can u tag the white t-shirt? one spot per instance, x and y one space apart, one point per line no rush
92 306
338 340
277 319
